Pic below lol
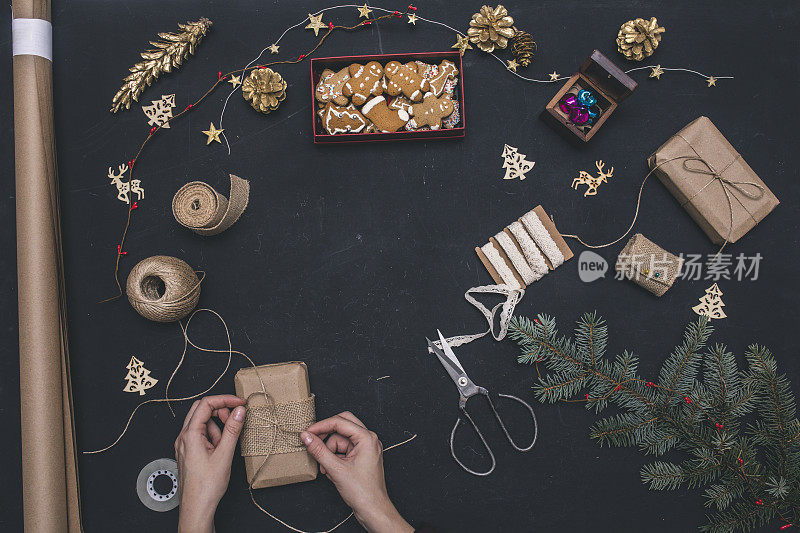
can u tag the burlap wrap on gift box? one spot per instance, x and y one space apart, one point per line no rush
273 424
698 165
648 265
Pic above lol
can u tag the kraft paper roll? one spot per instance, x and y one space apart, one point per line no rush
49 466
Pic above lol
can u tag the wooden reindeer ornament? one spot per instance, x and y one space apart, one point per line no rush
584 178
124 188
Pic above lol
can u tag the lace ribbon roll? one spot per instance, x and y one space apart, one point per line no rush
543 238
531 252
502 268
199 207
516 258
163 288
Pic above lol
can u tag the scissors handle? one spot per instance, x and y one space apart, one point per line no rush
462 405
483 440
503 426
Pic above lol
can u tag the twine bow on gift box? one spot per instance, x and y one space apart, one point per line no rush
728 187
275 428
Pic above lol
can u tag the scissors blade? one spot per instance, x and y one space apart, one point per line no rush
448 351
455 373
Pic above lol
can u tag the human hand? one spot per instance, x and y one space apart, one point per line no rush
204 454
352 458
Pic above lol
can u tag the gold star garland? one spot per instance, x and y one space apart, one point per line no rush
315 23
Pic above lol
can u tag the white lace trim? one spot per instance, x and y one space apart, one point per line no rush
543 239
500 265
516 257
513 296
529 250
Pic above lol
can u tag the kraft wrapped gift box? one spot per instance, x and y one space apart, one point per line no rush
699 166
287 385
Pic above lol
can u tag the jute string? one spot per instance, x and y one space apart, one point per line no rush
230 352
199 207
163 288
726 184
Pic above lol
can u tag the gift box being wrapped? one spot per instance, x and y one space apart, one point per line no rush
270 439
712 182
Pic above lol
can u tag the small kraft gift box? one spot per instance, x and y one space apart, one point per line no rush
648 265
588 98
712 181
270 439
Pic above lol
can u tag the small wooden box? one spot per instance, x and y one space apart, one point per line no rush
609 84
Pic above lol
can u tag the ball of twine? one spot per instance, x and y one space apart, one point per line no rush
163 288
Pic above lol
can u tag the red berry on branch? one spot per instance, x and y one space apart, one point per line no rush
411 7
135 206
587 395
302 56
119 250
786 526
153 130
688 400
219 76
651 384
741 461
619 387
759 502
330 25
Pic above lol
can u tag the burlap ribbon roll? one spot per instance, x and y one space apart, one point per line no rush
275 428
199 207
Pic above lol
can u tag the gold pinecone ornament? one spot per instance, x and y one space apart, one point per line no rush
639 38
523 47
264 89
491 28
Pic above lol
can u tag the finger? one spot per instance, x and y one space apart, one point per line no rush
208 405
342 426
190 413
230 435
339 444
347 415
326 458
214 433
222 414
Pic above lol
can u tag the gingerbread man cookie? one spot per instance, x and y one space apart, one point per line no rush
385 119
447 70
338 119
405 79
431 111
329 88
365 81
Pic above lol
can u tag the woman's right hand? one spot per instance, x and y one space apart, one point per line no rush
352 458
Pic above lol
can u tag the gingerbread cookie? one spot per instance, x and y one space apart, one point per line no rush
431 111
338 119
446 70
385 119
401 102
405 79
365 81
329 88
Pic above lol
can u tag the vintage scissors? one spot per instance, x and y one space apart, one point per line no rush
467 389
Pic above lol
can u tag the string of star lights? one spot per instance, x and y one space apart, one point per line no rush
315 23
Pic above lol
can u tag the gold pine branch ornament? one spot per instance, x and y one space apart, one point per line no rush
169 53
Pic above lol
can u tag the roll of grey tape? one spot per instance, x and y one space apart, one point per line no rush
145 485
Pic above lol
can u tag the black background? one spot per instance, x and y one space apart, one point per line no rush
348 256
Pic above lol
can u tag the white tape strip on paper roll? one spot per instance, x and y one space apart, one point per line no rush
32 37
542 238
529 250
502 268
513 253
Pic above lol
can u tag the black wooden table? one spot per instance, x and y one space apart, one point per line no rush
348 256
